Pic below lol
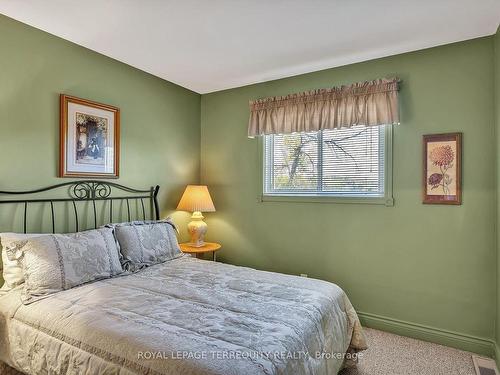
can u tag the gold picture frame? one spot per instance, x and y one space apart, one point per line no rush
89 139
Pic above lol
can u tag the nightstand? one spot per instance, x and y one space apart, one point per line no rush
212 247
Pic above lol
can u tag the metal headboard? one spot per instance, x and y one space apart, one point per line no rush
88 191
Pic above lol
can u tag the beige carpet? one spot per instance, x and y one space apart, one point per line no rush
396 355
390 354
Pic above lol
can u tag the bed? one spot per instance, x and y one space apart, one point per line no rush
182 316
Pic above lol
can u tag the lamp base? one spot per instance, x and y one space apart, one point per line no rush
197 229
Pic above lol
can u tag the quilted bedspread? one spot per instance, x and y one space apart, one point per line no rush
184 316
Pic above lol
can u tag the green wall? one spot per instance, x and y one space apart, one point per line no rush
497 117
430 267
160 134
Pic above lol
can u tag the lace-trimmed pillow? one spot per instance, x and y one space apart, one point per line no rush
57 262
12 269
143 244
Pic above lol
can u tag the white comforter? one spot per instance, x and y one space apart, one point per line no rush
185 316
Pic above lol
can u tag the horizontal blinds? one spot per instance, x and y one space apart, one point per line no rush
340 162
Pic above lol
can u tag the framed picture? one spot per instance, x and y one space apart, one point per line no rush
442 182
90 139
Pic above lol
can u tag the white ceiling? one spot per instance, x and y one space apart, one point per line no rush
211 45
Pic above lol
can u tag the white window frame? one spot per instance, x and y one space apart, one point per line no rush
386 200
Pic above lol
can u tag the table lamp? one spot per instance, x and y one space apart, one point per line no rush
196 199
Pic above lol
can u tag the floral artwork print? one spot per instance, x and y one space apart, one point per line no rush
442 168
442 157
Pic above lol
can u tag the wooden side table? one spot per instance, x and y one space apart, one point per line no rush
212 247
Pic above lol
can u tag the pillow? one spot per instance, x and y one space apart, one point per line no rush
143 244
56 262
12 269
142 222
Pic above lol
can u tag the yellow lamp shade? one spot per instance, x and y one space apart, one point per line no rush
196 198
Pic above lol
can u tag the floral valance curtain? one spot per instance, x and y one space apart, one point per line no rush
366 103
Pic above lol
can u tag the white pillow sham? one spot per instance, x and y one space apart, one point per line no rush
56 262
12 269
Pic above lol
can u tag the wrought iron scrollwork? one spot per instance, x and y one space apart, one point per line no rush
90 190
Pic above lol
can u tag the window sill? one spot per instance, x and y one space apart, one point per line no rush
386 201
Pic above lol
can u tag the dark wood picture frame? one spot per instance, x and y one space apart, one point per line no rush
64 170
442 168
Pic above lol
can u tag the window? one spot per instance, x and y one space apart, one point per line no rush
341 163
